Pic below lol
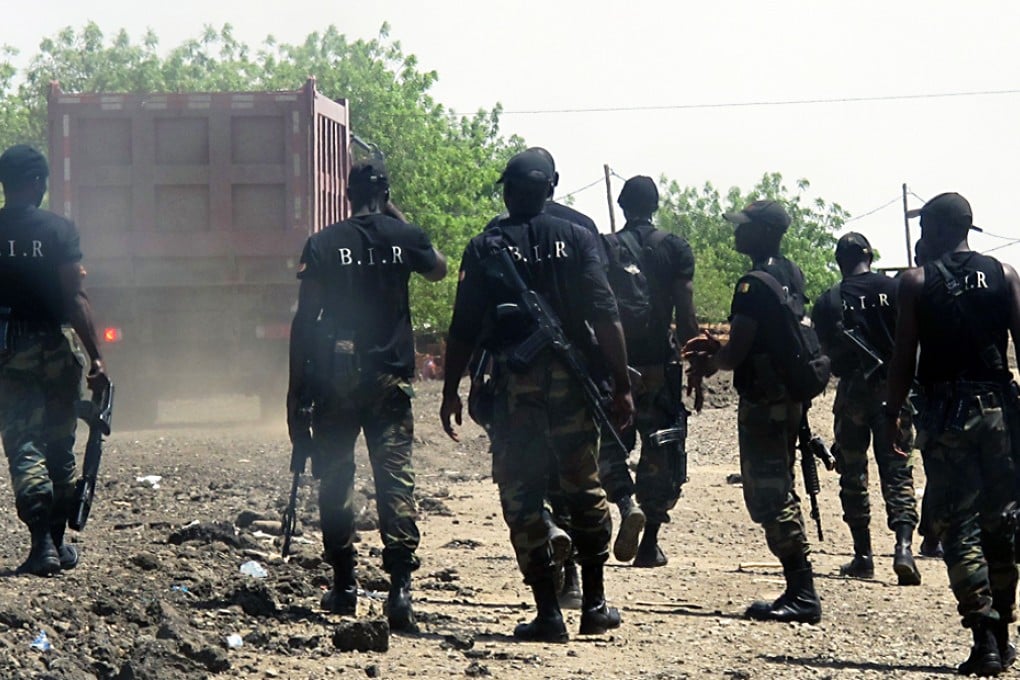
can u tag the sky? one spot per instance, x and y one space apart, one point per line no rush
572 54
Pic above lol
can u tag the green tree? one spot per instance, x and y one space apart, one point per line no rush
442 166
696 214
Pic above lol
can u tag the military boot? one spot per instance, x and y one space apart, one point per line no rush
548 625
559 540
632 522
903 561
863 564
67 552
43 559
1007 650
398 603
569 592
984 659
798 603
597 617
343 597
649 554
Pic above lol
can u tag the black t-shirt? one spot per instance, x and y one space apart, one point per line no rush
557 259
755 300
959 342
867 304
363 265
34 245
670 261
565 212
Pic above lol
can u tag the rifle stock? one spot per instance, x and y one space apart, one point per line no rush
98 413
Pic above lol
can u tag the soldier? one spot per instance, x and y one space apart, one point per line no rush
768 418
667 264
960 309
46 329
862 308
541 417
353 326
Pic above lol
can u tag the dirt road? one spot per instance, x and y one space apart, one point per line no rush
159 589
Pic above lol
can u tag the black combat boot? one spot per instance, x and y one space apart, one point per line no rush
398 603
799 603
649 554
43 559
596 616
903 560
343 597
548 625
632 522
569 592
984 659
863 564
67 552
1007 650
559 540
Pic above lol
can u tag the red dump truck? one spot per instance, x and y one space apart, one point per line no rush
193 208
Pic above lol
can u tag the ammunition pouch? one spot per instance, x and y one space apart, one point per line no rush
958 406
337 365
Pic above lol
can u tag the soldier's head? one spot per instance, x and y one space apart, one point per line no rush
23 172
542 151
527 183
759 228
368 187
639 198
945 221
852 251
920 254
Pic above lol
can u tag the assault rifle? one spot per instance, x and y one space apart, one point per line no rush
97 412
675 434
812 447
298 458
548 333
865 348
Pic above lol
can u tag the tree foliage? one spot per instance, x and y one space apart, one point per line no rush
696 214
442 166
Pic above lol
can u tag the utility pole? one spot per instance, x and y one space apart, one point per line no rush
609 199
906 229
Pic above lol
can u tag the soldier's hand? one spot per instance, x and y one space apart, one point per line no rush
97 379
622 409
704 344
697 386
452 406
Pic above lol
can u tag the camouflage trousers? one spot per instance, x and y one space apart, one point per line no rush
542 426
657 487
767 433
860 422
381 408
40 383
970 473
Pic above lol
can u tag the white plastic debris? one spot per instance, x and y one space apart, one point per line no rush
42 642
254 569
152 480
234 641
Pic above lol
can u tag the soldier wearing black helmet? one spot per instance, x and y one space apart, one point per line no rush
47 340
856 321
353 327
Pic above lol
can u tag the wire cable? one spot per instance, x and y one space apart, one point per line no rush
873 210
584 188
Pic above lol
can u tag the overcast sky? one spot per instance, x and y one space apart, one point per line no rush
597 54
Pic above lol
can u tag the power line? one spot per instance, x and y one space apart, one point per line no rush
885 205
983 232
775 102
584 188
1004 245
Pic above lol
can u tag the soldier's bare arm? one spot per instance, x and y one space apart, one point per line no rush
437 273
301 335
903 364
1013 280
79 310
458 356
614 348
683 303
732 354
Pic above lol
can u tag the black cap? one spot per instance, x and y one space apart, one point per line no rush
763 213
639 193
21 162
949 208
852 244
371 172
545 152
532 165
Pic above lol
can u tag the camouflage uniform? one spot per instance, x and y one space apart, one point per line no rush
656 486
767 434
858 421
40 382
970 473
541 416
382 408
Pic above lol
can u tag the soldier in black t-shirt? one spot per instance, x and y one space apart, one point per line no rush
960 309
47 339
667 263
768 418
541 419
352 350
862 308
